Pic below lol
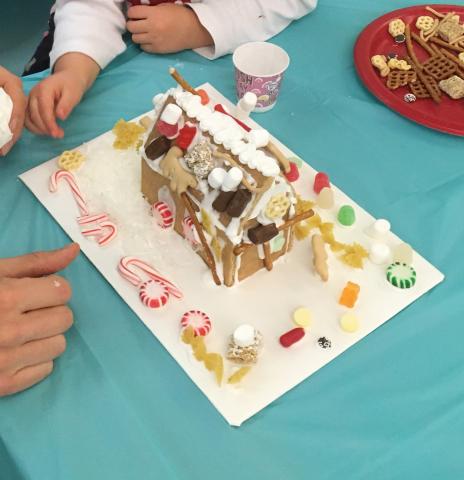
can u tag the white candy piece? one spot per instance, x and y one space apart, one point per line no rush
403 253
6 108
258 137
379 229
216 177
246 105
325 199
171 114
244 335
379 254
232 179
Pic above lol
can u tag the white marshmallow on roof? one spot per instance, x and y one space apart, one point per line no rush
232 179
171 114
216 177
258 137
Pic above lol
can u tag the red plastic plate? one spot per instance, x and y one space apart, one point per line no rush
446 117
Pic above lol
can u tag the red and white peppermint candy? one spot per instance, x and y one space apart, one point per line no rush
153 294
69 178
190 232
198 320
163 215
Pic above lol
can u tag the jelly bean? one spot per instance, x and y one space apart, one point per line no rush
291 337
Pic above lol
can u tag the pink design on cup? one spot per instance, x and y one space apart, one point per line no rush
259 68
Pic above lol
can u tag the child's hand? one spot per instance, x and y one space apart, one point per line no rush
166 28
56 96
13 87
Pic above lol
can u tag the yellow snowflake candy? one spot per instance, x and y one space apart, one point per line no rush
239 375
127 134
215 363
71 160
217 249
198 348
302 230
188 334
303 205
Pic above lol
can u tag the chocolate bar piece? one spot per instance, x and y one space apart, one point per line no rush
158 147
239 202
222 201
262 233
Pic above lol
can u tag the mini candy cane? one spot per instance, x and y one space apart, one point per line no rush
88 219
105 231
68 177
153 293
162 214
190 232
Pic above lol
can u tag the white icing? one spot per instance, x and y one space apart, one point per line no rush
258 137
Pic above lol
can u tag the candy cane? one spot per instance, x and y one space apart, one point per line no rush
68 177
127 262
87 219
112 231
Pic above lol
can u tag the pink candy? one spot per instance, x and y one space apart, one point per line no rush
153 294
321 181
198 320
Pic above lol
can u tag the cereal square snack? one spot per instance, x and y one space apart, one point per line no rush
453 86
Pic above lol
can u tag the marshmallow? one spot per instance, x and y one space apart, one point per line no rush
379 254
244 335
6 108
216 177
232 179
258 137
379 229
246 105
171 114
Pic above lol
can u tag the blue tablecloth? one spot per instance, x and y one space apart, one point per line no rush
118 406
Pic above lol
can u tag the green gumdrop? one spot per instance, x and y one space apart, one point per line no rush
296 160
277 243
346 215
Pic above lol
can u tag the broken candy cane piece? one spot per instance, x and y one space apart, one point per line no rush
291 337
109 233
162 214
88 219
68 177
153 294
190 232
199 321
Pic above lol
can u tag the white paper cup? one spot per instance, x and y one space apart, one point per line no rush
259 68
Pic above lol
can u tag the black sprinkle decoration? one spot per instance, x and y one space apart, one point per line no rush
324 342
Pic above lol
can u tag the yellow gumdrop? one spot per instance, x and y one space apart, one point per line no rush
349 323
302 317
239 375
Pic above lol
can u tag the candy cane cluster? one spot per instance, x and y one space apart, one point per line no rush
154 292
97 225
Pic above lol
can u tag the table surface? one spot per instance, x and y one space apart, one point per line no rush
118 406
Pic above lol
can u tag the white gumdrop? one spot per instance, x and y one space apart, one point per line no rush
171 114
259 137
216 177
244 335
379 229
232 179
379 254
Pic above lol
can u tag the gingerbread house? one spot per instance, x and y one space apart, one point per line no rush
220 184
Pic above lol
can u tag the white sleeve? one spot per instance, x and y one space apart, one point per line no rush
234 22
93 27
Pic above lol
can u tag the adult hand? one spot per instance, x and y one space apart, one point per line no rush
166 28
33 316
14 88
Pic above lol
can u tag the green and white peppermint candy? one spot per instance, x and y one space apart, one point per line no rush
401 275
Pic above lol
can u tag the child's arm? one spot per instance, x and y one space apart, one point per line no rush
217 25
234 22
88 36
58 94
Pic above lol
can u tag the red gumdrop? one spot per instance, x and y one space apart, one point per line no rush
291 337
321 181
294 174
186 135
203 95
167 129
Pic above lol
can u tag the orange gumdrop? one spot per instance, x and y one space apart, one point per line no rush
203 95
349 295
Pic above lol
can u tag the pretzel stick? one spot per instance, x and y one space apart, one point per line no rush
458 40
239 249
422 43
181 81
423 78
453 59
281 158
267 256
209 256
245 182
446 45
437 14
410 47
436 50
